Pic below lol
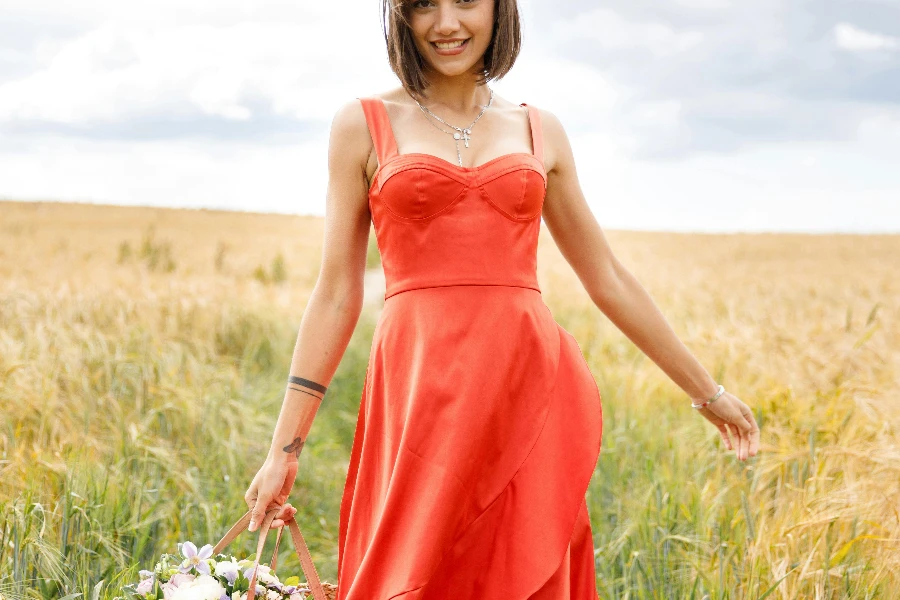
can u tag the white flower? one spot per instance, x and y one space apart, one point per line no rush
225 566
168 591
228 569
273 595
195 559
265 575
298 596
202 588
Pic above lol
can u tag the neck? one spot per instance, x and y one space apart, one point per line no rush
455 94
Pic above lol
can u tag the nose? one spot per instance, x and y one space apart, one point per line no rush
447 21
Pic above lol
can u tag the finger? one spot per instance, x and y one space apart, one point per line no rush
286 514
745 445
747 428
283 515
257 512
723 431
744 448
753 433
754 442
738 441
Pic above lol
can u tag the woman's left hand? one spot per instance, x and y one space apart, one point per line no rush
729 413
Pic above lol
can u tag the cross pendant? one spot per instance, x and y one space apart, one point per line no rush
464 136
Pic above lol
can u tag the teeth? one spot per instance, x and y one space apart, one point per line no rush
445 46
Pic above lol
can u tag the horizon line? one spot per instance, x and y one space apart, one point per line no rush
860 232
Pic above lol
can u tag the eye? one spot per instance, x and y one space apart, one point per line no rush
424 3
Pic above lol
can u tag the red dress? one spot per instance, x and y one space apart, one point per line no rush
480 423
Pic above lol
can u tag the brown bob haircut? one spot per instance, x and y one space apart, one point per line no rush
407 63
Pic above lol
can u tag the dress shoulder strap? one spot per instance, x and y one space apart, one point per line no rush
379 128
537 134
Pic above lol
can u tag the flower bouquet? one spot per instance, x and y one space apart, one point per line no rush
208 574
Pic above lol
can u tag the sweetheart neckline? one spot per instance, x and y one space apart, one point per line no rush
452 165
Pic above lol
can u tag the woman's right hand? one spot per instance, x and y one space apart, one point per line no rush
728 412
270 489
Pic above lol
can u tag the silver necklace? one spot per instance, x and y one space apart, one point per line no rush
461 133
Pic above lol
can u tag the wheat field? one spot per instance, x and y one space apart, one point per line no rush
144 351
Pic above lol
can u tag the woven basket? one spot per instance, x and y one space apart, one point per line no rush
320 591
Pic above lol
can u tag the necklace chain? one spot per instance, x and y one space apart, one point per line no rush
461 133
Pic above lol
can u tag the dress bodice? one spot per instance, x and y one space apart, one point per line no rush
440 224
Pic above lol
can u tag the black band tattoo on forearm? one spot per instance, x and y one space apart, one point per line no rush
296 446
298 384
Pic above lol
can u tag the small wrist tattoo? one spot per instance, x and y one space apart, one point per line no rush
295 447
298 384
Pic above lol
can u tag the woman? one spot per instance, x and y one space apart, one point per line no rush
480 423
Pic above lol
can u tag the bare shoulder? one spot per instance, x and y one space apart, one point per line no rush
349 129
351 150
557 149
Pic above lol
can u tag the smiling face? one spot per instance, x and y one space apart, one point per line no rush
452 35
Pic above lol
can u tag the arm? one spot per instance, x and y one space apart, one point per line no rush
619 295
330 316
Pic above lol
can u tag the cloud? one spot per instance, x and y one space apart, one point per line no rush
612 31
686 114
688 76
708 76
854 39
129 79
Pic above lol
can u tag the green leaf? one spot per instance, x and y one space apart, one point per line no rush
131 594
156 592
839 556
775 585
95 595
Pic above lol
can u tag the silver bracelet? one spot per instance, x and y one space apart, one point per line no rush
711 400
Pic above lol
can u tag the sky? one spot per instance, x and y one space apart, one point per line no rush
684 115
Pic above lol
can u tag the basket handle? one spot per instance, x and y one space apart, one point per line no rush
309 569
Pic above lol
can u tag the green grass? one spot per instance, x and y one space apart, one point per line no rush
135 427
140 379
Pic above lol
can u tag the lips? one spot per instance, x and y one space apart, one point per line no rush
451 46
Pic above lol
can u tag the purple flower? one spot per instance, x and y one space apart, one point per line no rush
180 579
194 559
144 587
227 569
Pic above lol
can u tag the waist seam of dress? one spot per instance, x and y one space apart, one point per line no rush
438 285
